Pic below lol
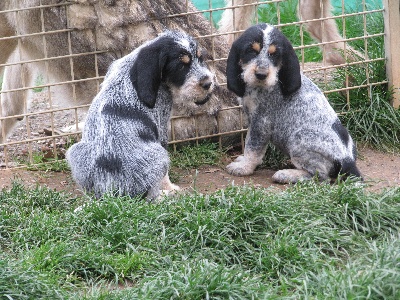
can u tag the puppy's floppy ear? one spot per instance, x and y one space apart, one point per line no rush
234 70
146 73
289 74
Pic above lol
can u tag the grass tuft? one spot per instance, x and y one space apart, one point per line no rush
17 283
194 156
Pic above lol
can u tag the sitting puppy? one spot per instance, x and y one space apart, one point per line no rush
123 146
283 106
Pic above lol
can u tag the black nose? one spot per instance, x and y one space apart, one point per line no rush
261 76
205 83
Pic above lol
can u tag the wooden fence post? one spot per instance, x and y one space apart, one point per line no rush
392 46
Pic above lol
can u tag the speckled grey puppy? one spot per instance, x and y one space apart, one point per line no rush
284 107
123 146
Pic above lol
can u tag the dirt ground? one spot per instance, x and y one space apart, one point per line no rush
380 170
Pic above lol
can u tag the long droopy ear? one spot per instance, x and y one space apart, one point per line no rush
146 73
289 74
234 70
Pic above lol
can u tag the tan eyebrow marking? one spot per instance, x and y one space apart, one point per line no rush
198 52
271 49
185 59
256 46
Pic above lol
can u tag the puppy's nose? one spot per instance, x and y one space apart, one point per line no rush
205 83
261 73
261 76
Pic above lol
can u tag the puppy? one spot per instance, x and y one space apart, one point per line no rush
284 107
123 146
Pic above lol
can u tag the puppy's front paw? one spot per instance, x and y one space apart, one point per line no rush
174 187
239 158
291 176
166 184
240 168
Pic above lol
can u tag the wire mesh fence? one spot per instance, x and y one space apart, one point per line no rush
54 55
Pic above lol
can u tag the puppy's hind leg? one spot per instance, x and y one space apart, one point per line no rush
308 164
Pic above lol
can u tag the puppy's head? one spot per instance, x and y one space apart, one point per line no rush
262 57
174 59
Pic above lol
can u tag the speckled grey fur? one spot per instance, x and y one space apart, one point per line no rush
284 107
123 146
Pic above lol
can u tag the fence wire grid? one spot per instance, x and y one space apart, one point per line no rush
51 109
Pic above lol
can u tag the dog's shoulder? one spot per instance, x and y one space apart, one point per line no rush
311 96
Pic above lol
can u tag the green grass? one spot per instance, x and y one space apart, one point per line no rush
18 282
193 156
39 81
40 163
310 241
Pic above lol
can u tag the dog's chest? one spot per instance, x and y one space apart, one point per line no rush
261 102
251 102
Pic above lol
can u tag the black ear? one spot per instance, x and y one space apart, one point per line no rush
289 74
146 73
234 71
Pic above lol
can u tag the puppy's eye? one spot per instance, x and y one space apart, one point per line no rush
256 47
271 49
185 58
201 54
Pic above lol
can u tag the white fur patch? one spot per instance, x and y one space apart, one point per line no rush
267 31
184 43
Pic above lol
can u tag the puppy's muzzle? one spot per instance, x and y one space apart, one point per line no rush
207 84
204 101
261 73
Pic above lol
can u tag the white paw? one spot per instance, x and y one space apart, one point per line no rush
174 187
167 193
240 168
239 158
166 184
291 176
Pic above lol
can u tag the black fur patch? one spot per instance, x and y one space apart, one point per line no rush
147 132
341 131
289 73
110 163
345 168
